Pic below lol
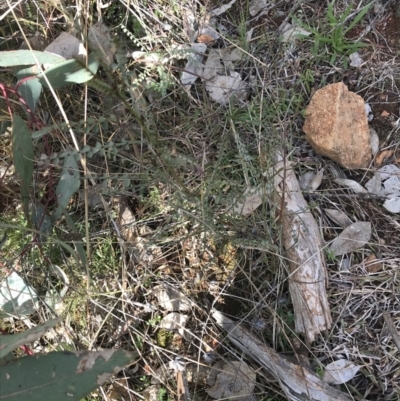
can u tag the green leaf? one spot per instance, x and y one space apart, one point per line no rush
69 183
27 57
22 148
69 72
61 376
30 91
42 222
9 343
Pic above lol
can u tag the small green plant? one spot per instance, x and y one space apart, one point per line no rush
330 255
335 39
154 321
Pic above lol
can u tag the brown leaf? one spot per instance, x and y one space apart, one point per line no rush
373 264
204 38
383 156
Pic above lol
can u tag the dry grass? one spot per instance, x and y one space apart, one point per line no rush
168 198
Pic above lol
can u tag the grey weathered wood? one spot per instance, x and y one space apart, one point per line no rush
302 241
298 383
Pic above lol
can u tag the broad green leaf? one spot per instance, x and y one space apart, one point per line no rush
69 72
69 183
61 376
30 91
10 342
26 71
23 158
27 57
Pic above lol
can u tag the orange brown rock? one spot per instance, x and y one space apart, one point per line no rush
336 126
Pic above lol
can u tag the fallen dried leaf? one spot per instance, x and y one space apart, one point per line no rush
383 156
234 379
373 264
374 141
351 184
385 113
252 200
170 299
374 185
289 32
338 217
100 39
222 88
355 59
67 46
204 38
340 371
352 238
222 9
392 205
256 6
174 321
194 66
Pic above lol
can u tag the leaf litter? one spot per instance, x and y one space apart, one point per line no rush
351 238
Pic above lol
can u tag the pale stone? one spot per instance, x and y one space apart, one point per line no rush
336 126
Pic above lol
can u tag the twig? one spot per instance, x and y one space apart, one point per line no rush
392 329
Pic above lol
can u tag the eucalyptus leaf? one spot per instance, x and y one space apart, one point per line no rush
22 148
30 90
42 222
10 342
27 57
69 72
61 376
69 183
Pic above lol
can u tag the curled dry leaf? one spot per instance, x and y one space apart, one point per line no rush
100 39
352 238
374 141
234 380
373 264
174 321
338 217
170 299
351 184
213 65
256 6
306 179
390 170
355 59
208 35
374 185
222 9
222 88
291 32
317 180
392 205
381 157
194 66
251 200
340 371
